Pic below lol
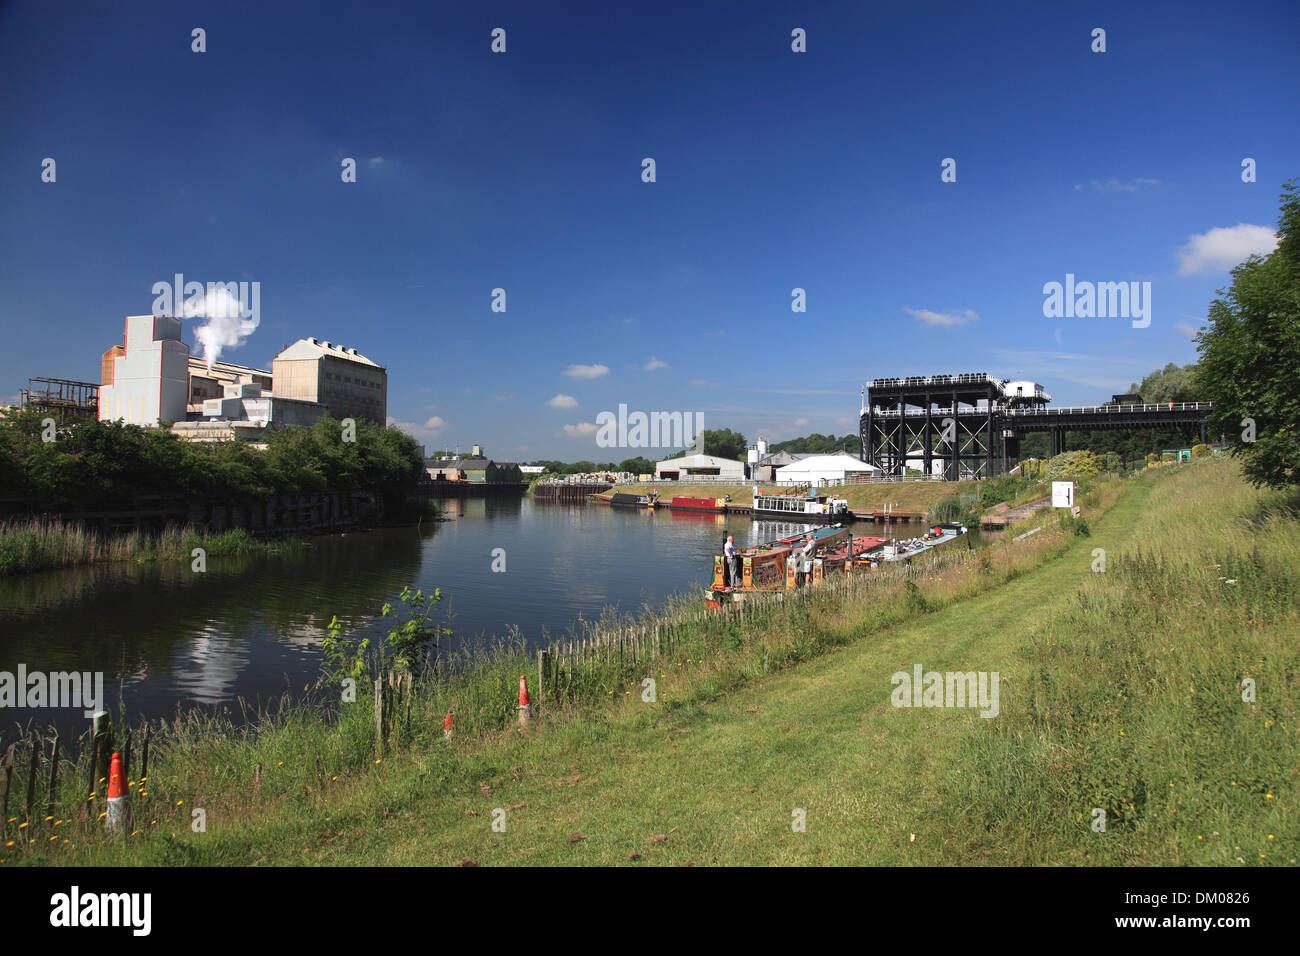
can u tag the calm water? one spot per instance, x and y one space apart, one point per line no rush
251 627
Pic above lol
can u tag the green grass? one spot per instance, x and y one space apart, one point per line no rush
40 544
1120 691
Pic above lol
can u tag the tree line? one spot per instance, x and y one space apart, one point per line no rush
86 463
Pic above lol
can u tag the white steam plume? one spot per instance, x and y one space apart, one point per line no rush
226 325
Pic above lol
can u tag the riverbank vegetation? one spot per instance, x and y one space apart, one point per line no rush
86 464
41 544
1134 687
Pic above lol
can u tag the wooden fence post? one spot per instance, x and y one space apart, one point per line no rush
541 676
103 728
54 775
34 765
9 775
379 717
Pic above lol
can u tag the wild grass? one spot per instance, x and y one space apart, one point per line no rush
1135 702
1122 692
40 544
312 746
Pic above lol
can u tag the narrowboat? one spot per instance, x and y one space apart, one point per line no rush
776 566
810 508
703 505
907 548
631 501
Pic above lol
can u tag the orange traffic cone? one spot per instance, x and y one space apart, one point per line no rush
116 795
525 708
446 726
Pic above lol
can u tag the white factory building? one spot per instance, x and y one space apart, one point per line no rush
147 379
818 470
151 379
693 466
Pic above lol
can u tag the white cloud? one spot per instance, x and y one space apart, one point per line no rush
1114 185
1220 249
630 320
1057 335
586 371
702 383
500 398
429 429
944 319
1187 329
654 363
800 422
580 430
376 161
563 401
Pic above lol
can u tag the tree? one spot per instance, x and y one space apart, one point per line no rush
1250 352
724 443
636 466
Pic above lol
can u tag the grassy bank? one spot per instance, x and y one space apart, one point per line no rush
40 544
1120 691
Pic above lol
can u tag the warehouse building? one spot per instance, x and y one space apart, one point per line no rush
689 466
818 470
347 383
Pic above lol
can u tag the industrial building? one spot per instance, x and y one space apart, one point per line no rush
690 466
152 379
833 469
61 397
146 380
347 383
970 425
475 468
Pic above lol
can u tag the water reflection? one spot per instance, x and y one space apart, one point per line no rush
252 627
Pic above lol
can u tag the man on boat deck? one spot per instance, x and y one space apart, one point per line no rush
805 559
729 551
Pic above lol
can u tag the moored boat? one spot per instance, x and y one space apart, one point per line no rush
907 548
705 505
810 508
631 501
783 565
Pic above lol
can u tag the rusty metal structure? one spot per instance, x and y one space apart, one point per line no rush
62 398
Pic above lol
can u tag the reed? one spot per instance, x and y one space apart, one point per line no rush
40 544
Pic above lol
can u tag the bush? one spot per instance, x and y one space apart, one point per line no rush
1073 464
1200 451
946 510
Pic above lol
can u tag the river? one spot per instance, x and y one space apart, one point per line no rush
165 636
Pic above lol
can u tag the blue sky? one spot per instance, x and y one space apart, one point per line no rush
775 170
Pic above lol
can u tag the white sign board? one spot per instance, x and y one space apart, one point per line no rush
1062 494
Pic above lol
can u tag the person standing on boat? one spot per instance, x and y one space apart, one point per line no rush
805 559
729 552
